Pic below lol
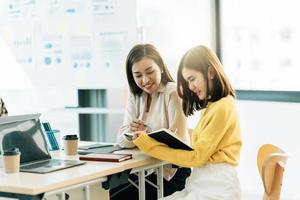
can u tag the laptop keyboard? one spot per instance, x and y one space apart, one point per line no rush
47 164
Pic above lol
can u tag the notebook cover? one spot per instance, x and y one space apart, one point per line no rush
168 137
106 157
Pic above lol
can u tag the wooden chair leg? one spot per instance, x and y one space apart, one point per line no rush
276 187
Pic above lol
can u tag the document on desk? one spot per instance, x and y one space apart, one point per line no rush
94 146
103 148
106 157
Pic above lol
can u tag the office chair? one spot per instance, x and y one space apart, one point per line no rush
271 162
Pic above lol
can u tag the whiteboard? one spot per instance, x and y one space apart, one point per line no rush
71 43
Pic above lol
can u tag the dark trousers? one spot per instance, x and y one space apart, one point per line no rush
177 183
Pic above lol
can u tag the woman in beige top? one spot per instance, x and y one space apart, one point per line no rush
153 104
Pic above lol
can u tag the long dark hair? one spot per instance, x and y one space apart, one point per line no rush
137 53
200 58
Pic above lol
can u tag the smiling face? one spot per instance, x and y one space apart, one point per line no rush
197 82
147 75
201 79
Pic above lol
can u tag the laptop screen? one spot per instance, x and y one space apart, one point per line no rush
25 133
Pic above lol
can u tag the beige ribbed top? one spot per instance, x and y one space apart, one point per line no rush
165 112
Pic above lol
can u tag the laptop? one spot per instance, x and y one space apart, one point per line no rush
25 133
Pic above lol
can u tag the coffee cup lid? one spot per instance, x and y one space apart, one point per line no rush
11 151
70 137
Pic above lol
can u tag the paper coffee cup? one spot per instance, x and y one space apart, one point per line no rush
11 160
70 144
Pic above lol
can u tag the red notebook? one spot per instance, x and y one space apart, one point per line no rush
106 157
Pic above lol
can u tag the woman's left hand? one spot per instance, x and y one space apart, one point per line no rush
137 134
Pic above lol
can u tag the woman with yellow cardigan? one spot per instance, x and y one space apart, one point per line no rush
216 140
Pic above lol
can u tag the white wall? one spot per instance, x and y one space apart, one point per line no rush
48 101
276 123
175 26
268 122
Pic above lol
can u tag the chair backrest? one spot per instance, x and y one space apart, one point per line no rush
271 162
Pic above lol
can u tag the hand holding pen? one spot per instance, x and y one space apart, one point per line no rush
136 127
139 125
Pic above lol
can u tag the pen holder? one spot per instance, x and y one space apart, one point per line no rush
70 144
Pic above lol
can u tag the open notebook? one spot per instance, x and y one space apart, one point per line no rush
169 138
165 136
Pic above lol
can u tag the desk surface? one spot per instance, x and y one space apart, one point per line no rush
33 184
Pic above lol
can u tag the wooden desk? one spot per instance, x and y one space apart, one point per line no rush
33 186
